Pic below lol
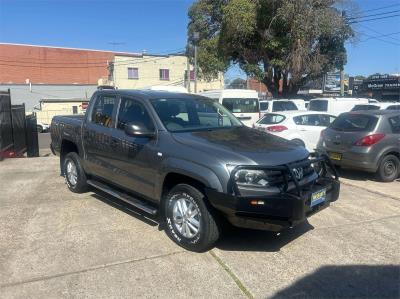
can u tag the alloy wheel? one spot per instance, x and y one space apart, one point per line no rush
72 173
186 217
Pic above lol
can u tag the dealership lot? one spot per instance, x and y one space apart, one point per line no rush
54 243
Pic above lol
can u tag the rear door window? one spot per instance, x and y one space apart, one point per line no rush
237 105
283 106
271 119
354 123
318 105
308 120
395 124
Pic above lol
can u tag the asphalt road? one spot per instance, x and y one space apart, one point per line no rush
57 244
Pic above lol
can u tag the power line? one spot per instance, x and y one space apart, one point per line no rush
383 7
373 30
382 40
382 35
373 15
387 17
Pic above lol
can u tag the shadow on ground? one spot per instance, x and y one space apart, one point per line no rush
233 239
350 281
236 239
356 175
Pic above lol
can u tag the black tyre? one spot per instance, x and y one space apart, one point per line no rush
389 169
39 129
189 221
74 174
299 142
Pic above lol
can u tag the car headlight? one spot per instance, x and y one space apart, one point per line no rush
251 177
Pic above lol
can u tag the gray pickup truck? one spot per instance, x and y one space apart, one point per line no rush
188 161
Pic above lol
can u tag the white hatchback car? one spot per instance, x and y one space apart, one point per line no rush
302 127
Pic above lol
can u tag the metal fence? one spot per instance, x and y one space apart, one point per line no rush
6 137
18 132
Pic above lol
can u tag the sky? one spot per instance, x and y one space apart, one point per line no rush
159 27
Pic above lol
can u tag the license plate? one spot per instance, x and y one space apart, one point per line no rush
318 197
335 156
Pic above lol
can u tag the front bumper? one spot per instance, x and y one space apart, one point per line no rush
278 211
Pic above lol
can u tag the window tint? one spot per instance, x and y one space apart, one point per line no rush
354 122
395 124
326 120
241 105
318 105
284 106
365 107
393 107
103 110
270 119
263 106
132 111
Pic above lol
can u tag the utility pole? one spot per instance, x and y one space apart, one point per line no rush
196 36
188 73
342 66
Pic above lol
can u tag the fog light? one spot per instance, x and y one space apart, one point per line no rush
255 202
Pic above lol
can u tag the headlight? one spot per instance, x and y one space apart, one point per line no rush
251 177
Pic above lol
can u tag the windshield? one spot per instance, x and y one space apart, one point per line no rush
192 114
354 122
318 105
237 105
284 106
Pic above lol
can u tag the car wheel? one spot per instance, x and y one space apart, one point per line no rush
74 174
299 142
189 221
39 129
389 169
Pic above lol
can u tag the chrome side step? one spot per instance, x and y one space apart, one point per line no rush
140 204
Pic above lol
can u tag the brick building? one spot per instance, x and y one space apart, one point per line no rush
21 64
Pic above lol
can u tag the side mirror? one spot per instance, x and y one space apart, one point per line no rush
136 129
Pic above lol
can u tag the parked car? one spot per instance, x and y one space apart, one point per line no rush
302 127
365 140
267 106
335 106
242 103
42 127
189 161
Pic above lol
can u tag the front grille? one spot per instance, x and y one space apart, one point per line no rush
279 178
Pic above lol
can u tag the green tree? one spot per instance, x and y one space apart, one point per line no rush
271 40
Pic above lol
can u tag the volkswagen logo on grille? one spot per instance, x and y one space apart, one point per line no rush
298 173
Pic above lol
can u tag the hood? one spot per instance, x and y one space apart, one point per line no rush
243 145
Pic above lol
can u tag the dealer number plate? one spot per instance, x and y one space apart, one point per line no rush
335 156
318 197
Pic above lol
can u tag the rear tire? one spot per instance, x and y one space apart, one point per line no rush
74 174
39 129
190 223
389 169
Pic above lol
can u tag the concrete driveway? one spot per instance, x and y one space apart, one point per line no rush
56 244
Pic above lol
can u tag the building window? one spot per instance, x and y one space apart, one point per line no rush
191 74
164 74
133 73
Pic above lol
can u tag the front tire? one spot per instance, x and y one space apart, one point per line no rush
74 174
190 223
39 129
389 169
